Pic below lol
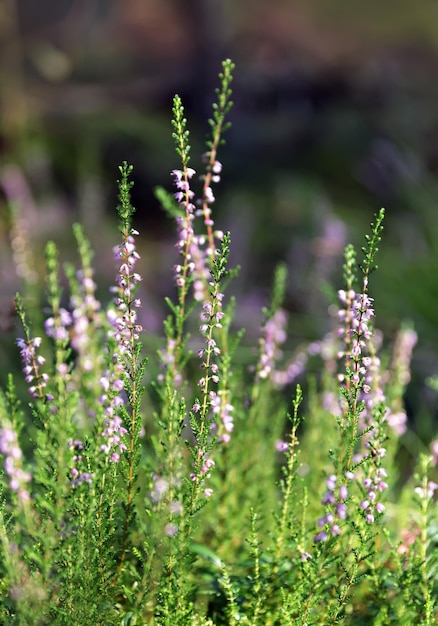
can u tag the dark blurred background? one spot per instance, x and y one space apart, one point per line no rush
335 115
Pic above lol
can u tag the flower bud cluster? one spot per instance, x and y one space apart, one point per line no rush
216 400
32 362
374 485
426 494
399 377
206 465
409 536
334 500
111 401
212 176
274 335
78 477
85 318
297 365
125 331
123 319
192 247
214 409
373 396
372 391
78 326
360 331
355 319
168 362
10 449
356 332
187 243
401 361
201 273
345 316
159 495
222 410
57 328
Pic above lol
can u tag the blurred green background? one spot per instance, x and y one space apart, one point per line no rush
335 115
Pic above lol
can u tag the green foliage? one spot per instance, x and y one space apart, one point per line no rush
212 493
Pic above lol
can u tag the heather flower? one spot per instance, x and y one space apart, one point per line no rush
334 500
292 371
402 355
124 330
345 316
356 333
409 537
213 411
168 362
331 403
374 485
171 529
397 377
214 168
176 507
274 334
354 330
160 488
215 400
201 271
434 451
397 422
281 446
86 319
13 462
426 494
372 389
362 312
204 465
193 266
58 328
32 362
123 319
78 476
113 434
296 366
221 410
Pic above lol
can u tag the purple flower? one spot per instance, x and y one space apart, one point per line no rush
10 449
31 362
428 493
334 501
374 485
273 336
281 446
123 319
113 434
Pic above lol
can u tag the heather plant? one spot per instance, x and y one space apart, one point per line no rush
188 485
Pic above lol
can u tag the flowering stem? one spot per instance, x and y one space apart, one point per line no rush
184 197
290 475
126 335
425 492
31 360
